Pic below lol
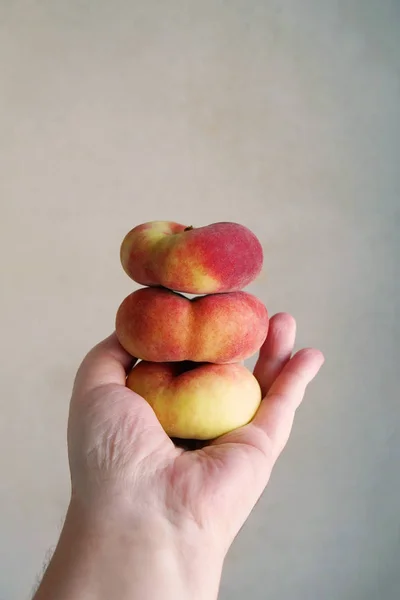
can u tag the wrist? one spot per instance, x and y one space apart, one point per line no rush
110 553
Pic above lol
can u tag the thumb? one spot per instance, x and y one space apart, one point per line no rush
107 363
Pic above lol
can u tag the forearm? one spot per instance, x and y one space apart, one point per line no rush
101 557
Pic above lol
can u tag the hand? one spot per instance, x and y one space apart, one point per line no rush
126 471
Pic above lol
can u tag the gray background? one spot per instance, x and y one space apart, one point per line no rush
281 115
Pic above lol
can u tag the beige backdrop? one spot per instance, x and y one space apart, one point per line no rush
282 115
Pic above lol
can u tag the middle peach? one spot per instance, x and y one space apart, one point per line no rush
158 325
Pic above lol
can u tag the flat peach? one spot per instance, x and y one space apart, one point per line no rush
197 402
222 257
156 324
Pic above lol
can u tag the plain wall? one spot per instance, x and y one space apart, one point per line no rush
283 116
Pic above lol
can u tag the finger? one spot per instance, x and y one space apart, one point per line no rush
276 350
105 364
276 413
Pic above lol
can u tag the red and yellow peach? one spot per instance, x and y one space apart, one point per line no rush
221 257
194 401
156 324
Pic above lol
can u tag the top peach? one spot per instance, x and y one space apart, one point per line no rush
223 257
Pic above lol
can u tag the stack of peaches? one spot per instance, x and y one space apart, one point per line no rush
192 349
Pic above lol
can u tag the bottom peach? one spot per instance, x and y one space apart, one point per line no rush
197 401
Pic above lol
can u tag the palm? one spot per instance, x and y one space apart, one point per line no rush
115 430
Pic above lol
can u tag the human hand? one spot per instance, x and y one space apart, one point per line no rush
126 471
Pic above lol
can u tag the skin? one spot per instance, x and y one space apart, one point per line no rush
147 518
158 325
222 257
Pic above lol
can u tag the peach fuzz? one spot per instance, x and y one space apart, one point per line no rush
197 402
221 257
156 324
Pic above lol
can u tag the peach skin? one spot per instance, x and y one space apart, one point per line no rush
222 257
198 402
158 325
